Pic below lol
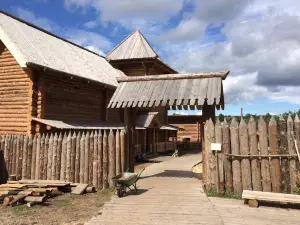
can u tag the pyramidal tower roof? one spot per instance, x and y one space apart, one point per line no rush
135 46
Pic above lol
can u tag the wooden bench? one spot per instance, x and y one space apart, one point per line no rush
252 198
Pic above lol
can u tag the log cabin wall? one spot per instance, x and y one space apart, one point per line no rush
66 98
139 68
113 114
15 92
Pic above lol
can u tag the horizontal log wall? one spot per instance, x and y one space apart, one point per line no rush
71 98
92 157
15 95
255 156
191 131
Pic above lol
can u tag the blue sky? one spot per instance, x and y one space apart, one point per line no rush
258 41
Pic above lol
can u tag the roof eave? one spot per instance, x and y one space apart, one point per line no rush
48 69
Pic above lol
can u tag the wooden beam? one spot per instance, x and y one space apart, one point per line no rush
223 75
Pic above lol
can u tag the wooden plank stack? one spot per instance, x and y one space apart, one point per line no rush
257 156
38 191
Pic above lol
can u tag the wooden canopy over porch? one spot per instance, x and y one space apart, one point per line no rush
170 90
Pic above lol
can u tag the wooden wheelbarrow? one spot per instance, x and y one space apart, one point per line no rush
126 180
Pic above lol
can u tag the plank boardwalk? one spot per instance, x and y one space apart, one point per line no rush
168 194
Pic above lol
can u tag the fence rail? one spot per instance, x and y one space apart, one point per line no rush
82 157
254 156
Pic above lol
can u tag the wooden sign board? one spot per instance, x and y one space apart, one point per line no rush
215 147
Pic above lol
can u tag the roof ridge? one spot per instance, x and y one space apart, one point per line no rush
122 42
140 37
47 32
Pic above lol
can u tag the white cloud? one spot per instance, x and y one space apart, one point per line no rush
92 40
130 13
91 24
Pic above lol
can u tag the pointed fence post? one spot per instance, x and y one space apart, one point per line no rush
77 158
255 163
50 157
42 155
38 157
265 166
95 161
91 152
283 149
111 157
100 159
244 150
63 157
46 149
275 162
82 161
59 154
73 157
297 135
34 156
123 157
86 158
235 149
292 151
29 158
25 154
105 160
118 153
54 157
220 157
227 160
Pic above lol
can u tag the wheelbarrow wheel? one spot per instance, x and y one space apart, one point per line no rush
120 192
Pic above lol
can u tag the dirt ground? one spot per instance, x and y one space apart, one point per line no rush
65 209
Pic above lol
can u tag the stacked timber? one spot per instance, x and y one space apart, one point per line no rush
38 191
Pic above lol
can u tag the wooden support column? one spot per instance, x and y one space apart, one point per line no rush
154 141
129 120
145 141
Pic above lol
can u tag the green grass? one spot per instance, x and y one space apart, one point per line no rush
61 203
213 193
23 210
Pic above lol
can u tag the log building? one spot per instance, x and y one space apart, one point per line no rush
134 56
46 81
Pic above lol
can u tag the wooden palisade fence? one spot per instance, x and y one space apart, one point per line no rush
91 157
255 156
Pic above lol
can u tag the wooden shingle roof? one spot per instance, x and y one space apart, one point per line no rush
135 46
34 47
170 90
